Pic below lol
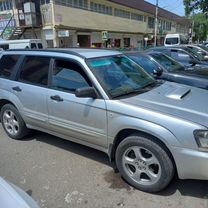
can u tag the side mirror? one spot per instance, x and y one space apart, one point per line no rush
157 72
193 62
86 92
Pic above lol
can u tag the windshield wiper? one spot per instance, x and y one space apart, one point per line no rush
137 91
152 84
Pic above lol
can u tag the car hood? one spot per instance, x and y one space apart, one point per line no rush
174 99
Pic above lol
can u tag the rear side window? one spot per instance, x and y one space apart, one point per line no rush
148 65
7 65
35 70
40 46
5 46
33 45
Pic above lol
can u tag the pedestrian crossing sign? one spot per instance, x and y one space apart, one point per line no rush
104 35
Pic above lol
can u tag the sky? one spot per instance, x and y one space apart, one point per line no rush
175 6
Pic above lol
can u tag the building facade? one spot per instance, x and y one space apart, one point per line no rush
88 23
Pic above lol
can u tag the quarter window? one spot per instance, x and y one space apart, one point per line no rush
35 70
7 65
68 76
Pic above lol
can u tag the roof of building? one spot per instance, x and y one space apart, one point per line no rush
81 52
150 8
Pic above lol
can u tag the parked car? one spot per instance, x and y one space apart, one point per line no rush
183 55
205 43
175 40
163 67
12 196
21 44
203 47
149 129
199 50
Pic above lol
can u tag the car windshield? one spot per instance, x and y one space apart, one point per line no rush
168 63
171 41
120 76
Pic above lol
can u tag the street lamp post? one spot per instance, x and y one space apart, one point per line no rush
156 20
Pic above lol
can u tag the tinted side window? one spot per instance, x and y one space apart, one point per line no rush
35 70
148 65
68 76
33 45
180 56
7 65
40 46
5 46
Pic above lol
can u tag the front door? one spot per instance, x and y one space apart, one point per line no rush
81 119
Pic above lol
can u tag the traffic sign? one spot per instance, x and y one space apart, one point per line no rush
104 35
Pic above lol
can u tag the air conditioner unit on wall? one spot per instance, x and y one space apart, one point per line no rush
30 19
29 7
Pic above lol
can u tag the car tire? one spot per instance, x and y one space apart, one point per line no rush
144 163
13 123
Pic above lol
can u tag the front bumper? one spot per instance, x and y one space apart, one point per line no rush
191 164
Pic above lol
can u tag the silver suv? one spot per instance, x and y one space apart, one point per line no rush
102 99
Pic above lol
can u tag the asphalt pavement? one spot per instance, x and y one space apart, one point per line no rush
61 174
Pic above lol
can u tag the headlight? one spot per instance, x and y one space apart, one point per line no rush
201 137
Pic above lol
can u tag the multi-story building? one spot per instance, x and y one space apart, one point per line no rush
71 23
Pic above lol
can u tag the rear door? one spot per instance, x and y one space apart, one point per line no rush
83 119
31 87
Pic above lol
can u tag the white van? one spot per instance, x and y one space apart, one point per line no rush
21 44
175 39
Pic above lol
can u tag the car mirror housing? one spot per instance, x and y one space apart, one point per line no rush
157 72
193 62
86 92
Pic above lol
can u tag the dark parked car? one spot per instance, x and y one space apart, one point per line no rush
164 67
184 55
199 50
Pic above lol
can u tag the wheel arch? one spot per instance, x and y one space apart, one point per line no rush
122 134
4 102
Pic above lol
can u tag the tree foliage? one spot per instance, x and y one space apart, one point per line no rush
196 5
200 26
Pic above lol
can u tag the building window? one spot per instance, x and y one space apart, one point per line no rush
122 13
6 5
151 22
82 4
101 8
164 25
137 17
127 42
168 26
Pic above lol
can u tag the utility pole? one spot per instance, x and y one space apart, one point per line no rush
156 20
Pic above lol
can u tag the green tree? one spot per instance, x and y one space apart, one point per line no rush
200 26
195 5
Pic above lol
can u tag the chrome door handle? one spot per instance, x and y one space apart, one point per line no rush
57 98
